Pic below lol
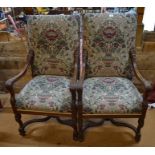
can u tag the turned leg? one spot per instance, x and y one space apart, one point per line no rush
75 130
139 127
21 127
1 106
74 115
140 123
80 118
81 131
138 132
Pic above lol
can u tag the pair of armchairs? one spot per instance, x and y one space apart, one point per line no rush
82 67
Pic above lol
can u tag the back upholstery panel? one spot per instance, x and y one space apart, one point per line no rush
108 39
54 39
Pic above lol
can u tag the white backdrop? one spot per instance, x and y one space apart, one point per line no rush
149 18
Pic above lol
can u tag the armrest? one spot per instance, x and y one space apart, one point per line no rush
82 77
82 68
9 83
147 84
74 78
80 86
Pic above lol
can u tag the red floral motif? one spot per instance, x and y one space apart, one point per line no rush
109 32
108 80
108 63
51 79
111 100
43 98
51 34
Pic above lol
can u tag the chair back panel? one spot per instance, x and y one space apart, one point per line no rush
108 39
54 40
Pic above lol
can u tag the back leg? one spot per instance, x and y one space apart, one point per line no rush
19 121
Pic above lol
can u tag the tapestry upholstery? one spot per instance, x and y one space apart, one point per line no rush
111 95
46 92
108 39
54 39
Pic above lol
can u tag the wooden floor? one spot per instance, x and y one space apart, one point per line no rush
53 134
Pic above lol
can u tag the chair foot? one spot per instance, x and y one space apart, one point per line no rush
22 131
138 137
21 126
81 136
139 127
1 106
75 135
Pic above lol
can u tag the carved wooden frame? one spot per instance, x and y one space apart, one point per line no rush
72 116
84 123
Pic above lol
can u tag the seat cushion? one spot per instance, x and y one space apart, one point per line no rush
45 92
111 95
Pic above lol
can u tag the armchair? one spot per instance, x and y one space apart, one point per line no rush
53 43
107 65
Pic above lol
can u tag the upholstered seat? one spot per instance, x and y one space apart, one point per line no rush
46 92
111 95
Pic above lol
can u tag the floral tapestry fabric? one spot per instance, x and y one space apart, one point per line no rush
46 92
54 39
111 95
108 39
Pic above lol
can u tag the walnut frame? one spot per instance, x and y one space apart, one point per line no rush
82 126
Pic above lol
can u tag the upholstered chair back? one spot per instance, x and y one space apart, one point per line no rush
54 40
108 39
